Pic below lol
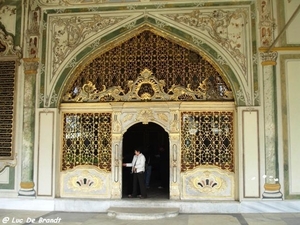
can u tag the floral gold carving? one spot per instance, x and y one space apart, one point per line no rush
145 116
163 117
145 88
128 117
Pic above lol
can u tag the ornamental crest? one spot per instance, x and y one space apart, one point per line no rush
146 88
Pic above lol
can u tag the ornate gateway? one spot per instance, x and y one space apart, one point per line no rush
200 134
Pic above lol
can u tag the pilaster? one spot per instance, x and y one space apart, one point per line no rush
272 185
27 184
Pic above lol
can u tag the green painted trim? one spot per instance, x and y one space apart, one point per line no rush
11 184
256 82
136 6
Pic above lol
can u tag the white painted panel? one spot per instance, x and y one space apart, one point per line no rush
45 154
4 176
251 154
292 32
293 96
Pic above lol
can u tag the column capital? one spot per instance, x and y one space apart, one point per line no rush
268 58
31 65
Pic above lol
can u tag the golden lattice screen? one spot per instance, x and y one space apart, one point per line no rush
207 139
86 140
169 61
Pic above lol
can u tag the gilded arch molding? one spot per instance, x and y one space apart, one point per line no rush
186 38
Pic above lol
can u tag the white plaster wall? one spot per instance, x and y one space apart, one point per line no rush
45 154
251 153
293 115
292 33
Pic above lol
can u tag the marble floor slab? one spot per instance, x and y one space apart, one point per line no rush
84 218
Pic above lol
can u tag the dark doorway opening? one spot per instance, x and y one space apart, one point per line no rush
153 141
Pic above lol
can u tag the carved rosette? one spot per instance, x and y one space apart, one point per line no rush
145 116
85 181
208 183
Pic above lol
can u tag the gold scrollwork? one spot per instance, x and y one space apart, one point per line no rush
145 88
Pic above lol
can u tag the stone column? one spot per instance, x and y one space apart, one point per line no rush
272 183
27 154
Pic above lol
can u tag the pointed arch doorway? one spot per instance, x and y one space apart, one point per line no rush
154 143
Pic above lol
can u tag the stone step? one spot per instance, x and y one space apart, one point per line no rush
142 213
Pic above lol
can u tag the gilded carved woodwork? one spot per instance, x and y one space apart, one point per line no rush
147 88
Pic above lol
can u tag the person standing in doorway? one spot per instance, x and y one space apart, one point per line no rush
138 170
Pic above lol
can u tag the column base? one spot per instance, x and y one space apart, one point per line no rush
272 191
272 195
27 189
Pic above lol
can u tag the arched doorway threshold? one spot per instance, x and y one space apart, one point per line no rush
153 141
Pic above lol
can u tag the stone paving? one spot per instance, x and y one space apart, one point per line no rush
84 218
